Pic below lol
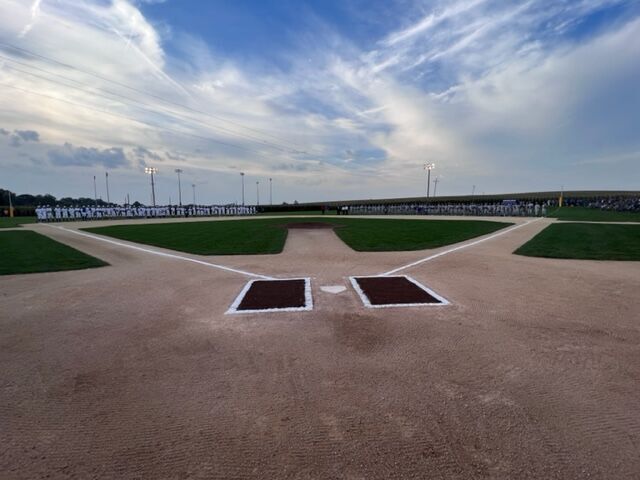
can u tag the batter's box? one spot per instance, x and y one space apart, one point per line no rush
263 296
395 291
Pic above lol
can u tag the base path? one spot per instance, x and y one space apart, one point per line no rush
134 370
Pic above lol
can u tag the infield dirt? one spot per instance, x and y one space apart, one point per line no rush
134 371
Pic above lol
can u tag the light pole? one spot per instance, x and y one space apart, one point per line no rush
271 191
95 191
242 175
193 185
257 193
106 178
435 185
179 171
151 171
10 205
428 167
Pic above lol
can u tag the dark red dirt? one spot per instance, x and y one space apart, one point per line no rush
268 294
393 290
310 225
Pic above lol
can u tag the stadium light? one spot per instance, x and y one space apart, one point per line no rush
179 171
428 167
151 171
106 177
258 193
242 175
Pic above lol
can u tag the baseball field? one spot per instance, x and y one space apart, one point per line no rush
321 347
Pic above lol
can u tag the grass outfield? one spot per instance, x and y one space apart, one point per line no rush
29 252
8 222
244 237
585 241
582 214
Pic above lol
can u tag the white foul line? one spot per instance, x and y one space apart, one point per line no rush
455 249
163 254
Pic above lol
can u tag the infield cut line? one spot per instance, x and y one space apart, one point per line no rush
455 249
163 254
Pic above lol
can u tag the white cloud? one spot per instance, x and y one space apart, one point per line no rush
468 85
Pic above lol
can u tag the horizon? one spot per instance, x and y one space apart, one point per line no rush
335 99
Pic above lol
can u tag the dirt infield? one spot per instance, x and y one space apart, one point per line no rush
134 370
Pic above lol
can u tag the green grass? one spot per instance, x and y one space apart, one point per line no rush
29 252
244 237
583 214
585 241
8 222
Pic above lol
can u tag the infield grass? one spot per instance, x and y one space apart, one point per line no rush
263 236
585 241
8 222
583 214
29 252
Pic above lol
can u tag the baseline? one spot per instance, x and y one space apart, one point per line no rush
164 254
455 249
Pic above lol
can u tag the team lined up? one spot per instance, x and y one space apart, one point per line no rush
61 214
509 209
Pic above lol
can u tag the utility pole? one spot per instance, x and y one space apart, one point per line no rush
179 171
95 191
435 186
106 177
258 193
271 191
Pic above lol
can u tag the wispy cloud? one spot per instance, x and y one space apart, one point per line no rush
481 87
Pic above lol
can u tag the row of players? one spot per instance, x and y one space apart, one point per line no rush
484 209
57 214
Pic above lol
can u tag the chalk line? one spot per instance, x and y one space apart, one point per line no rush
163 254
461 247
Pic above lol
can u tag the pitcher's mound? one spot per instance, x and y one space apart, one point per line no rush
397 291
310 225
289 295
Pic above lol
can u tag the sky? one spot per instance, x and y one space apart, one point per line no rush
331 99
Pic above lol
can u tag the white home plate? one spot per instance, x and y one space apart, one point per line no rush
333 289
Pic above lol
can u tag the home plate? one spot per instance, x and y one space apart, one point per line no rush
333 289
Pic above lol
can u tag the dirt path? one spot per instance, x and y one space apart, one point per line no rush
133 370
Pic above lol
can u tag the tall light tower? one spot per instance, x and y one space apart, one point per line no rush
95 191
435 185
242 176
428 167
258 193
271 191
106 178
193 185
179 171
10 205
152 171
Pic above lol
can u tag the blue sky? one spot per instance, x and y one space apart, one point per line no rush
331 99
